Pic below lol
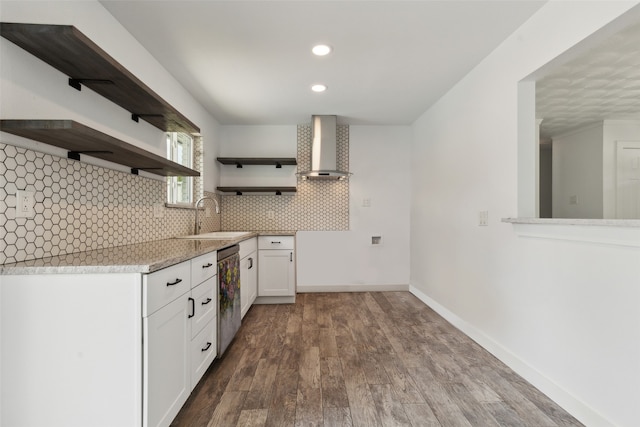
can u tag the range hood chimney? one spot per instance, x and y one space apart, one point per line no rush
323 150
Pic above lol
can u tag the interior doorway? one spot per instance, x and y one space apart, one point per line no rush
628 180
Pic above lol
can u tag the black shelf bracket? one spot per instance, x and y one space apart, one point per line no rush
77 83
278 165
238 193
278 193
136 117
238 165
75 155
136 171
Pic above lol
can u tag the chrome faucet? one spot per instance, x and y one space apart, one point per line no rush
197 225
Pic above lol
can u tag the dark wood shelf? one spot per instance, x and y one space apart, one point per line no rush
272 161
71 52
80 139
239 190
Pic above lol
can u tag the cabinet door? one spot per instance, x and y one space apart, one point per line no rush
167 365
203 351
248 281
203 299
253 278
276 273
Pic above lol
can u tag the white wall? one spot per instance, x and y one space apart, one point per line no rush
379 159
32 89
560 304
577 173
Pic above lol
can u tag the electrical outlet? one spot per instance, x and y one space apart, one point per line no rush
158 210
366 203
573 200
25 203
483 218
271 215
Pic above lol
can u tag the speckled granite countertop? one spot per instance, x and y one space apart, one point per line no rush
138 258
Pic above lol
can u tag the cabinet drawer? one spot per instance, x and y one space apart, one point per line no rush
275 242
248 246
163 286
204 305
203 351
203 268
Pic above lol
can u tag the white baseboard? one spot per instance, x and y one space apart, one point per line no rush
301 289
275 300
579 409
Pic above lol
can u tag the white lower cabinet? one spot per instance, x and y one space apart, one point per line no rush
248 273
167 365
179 338
203 328
276 273
203 305
203 351
105 349
71 350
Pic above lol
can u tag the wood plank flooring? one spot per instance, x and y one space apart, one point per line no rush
361 359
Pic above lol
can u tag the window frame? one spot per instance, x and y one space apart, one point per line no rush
175 196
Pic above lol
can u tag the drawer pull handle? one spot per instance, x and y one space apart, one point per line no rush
290 256
250 263
206 347
174 283
193 308
275 243
207 265
207 301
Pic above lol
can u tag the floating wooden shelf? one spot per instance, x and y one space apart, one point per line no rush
80 139
278 162
71 52
240 190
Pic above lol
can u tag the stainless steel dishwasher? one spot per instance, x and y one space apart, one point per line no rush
229 306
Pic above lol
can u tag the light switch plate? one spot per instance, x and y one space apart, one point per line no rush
483 218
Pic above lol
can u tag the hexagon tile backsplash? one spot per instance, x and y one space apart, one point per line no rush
80 207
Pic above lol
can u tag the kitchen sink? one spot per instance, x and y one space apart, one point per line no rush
216 235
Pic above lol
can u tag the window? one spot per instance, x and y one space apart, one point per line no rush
180 149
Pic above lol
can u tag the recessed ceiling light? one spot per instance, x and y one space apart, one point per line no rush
319 88
321 50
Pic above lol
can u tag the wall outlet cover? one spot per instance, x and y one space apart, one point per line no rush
25 204
158 210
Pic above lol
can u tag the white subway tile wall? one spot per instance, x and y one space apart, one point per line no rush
317 205
81 207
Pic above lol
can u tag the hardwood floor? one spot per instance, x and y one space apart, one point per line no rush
361 359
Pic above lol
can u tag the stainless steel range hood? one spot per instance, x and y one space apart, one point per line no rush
323 150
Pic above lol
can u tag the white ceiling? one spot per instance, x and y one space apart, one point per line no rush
601 84
249 62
